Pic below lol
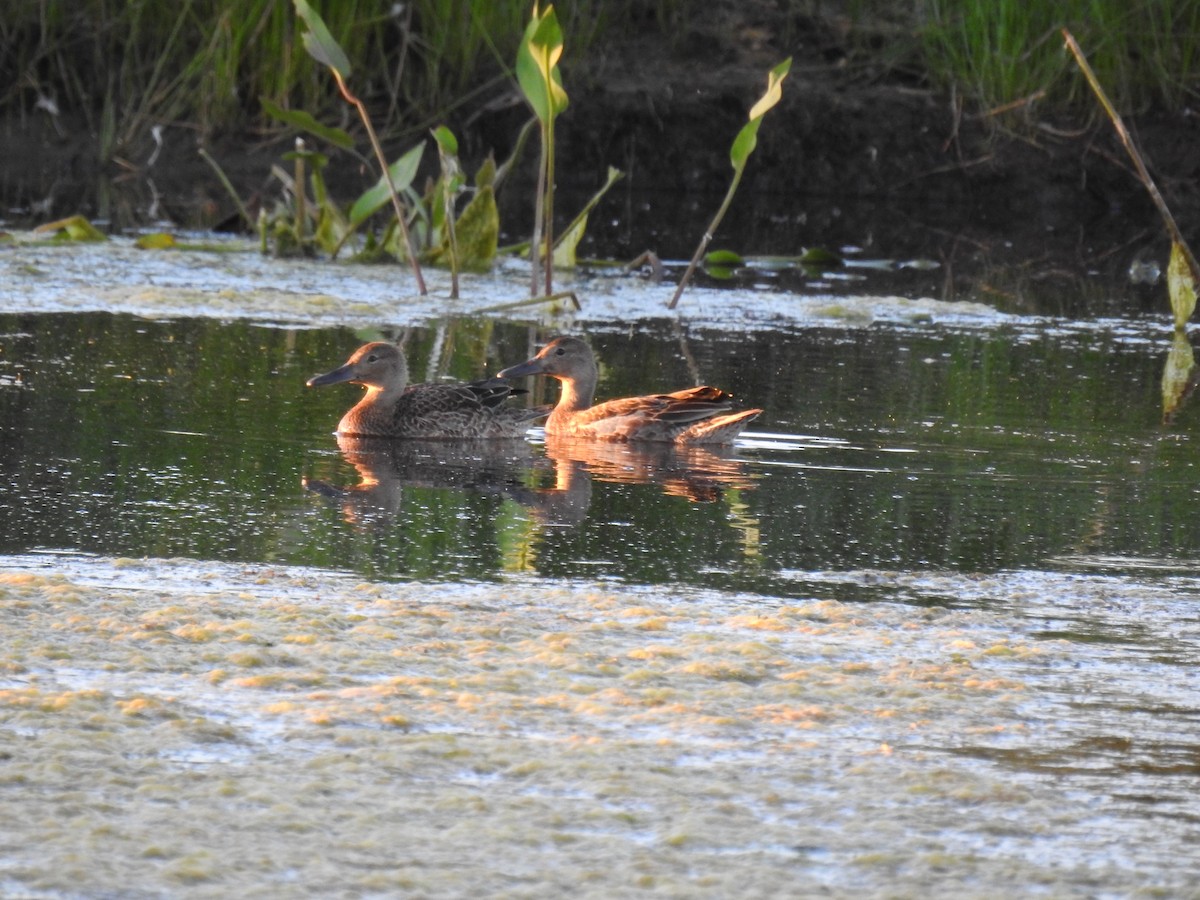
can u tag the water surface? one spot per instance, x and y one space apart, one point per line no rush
928 628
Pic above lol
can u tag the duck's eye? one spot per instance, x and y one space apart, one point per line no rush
560 352
372 358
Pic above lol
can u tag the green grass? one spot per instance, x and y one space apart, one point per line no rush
999 52
119 67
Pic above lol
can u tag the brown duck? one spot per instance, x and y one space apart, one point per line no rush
699 415
394 408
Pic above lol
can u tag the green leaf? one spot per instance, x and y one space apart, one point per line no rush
723 258
819 256
537 65
320 43
446 140
485 175
564 247
403 170
744 144
157 241
1180 286
774 90
478 231
302 120
578 225
74 228
747 139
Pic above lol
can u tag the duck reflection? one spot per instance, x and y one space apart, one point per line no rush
386 467
697 474
555 489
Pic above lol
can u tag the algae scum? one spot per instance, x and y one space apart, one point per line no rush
931 629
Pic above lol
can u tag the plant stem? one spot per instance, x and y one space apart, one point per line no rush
707 239
1131 149
539 213
548 222
224 179
301 193
387 174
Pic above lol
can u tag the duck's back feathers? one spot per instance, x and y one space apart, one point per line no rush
393 408
698 415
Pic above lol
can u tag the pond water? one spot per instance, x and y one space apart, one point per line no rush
930 625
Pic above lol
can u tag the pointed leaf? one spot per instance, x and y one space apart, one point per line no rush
774 90
446 140
580 221
1180 286
747 139
744 144
304 121
478 232
564 247
319 42
537 65
74 228
485 176
403 170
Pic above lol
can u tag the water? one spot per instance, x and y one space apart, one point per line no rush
930 626
919 448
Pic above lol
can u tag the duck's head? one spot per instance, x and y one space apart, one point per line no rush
376 365
564 358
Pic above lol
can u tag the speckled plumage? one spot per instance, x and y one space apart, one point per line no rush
698 415
393 408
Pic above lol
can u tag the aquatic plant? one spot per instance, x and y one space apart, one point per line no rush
1182 270
739 155
322 47
73 228
541 82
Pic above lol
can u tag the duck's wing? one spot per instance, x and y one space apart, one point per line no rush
460 410
653 417
420 400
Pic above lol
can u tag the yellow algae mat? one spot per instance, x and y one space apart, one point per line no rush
173 727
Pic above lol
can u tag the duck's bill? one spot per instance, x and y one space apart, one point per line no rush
337 376
529 367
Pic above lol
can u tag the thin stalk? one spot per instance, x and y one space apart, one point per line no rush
300 193
539 214
706 240
1131 149
224 179
448 213
387 175
548 224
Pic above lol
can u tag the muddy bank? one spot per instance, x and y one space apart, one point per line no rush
851 135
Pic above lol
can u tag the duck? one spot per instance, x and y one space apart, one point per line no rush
393 408
697 415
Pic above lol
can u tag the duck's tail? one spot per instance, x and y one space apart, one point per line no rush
718 429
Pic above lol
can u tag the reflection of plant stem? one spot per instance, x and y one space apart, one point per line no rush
706 240
1131 149
387 175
